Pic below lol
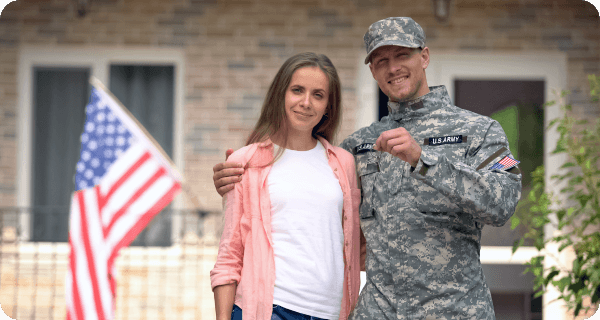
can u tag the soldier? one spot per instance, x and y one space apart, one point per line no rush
432 175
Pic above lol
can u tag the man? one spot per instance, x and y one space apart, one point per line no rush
431 175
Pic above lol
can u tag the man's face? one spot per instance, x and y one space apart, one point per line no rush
400 71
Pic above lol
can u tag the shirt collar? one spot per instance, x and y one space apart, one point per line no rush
328 147
436 98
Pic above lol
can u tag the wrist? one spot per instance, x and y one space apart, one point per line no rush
414 164
226 316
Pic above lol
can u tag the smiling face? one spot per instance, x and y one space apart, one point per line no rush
306 100
400 71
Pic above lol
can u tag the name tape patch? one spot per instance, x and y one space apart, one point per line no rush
436 141
364 148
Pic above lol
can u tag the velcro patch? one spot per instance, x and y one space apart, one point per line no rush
492 157
436 141
372 167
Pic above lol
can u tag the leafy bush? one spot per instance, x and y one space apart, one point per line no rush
576 217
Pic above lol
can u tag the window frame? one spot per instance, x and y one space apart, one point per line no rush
98 60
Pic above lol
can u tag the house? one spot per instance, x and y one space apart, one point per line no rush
195 72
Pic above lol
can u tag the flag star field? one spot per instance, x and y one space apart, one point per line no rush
103 139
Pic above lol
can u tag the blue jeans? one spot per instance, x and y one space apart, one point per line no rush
279 313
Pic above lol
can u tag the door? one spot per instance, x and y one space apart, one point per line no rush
518 106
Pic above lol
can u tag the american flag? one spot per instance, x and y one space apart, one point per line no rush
506 163
122 181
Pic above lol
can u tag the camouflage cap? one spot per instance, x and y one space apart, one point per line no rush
394 31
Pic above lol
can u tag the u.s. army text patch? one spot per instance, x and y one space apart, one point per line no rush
436 141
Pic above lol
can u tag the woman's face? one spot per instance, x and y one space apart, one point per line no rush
306 99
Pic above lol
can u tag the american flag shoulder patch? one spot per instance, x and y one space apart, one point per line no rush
505 163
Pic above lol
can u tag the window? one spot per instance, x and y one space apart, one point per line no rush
55 89
517 106
60 95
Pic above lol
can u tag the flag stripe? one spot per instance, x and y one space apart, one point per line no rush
508 161
125 177
130 235
97 242
505 163
137 209
75 293
84 285
129 187
90 257
136 195
127 159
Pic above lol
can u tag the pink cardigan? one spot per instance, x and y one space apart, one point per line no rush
246 249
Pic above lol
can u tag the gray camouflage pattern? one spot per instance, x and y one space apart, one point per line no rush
394 31
423 227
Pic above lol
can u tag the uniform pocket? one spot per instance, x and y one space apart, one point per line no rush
428 199
367 166
367 181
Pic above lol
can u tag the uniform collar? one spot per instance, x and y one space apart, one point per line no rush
436 98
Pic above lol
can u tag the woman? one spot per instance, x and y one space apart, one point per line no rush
291 240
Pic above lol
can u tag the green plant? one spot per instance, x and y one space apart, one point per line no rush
574 213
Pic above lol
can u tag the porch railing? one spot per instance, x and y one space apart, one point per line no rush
165 281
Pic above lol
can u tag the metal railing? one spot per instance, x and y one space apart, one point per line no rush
164 274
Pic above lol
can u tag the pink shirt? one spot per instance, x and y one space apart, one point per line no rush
246 248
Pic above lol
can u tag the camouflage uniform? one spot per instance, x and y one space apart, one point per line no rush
423 225
394 31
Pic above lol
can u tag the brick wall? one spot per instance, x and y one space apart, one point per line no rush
234 48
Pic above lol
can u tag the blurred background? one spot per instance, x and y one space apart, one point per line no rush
194 73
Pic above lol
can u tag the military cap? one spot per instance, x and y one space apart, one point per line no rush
394 31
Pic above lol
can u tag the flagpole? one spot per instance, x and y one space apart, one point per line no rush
184 186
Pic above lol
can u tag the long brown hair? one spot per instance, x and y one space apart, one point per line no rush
272 115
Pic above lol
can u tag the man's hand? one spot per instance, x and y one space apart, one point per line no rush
399 143
227 174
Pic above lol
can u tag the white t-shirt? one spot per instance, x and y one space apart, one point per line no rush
306 218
